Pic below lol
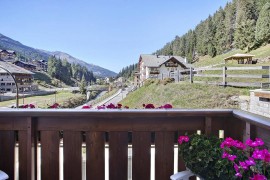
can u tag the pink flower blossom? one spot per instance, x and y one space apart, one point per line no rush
267 156
149 106
236 168
256 143
182 139
258 154
243 165
166 106
258 177
119 106
231 157
111 106
250 162
238 175
101 107
259 141
228 142
225 155
86 107
239 145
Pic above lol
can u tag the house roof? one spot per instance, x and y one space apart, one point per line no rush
156 61
13 69
239 56
8 51
25 63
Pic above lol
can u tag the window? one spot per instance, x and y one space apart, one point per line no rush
8 84
8 89
3 84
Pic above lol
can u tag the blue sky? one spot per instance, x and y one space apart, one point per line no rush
111 33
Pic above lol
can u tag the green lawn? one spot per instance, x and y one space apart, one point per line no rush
42 101
185 95
261 52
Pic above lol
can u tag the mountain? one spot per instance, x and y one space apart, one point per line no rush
97 70
24 51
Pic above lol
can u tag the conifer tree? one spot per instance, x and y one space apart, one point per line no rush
245 24
83 85
263 25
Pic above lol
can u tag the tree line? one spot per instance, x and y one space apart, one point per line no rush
128 71
241 24
64 71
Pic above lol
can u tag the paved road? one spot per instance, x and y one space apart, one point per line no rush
90 102
116 98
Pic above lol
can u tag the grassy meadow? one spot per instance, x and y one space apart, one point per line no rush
184 95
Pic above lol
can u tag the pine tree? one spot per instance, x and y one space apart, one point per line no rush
83 86
245 24
220 38
263 25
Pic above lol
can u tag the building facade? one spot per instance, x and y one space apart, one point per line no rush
7 55
160 67
23 77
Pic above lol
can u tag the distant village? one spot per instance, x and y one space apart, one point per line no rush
22 71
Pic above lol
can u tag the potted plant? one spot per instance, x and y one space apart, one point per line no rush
202 156
251 160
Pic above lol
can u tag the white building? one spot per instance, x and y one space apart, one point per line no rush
24 78
160 67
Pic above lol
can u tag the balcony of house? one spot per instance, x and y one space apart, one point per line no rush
97 144
154 71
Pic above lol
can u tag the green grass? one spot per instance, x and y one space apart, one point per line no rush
185 95
41 101
261 52
105 96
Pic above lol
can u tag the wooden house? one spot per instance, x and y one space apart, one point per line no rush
160 67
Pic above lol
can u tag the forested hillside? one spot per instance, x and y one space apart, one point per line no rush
65 71
241 24
128 71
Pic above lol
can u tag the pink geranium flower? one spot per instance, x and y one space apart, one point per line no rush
182 139
149 106
86 107
258 177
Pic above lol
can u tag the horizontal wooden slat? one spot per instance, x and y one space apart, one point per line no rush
124 124
208 75
209 69
247 76
248 68
241 84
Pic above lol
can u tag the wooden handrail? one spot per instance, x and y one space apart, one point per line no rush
118 129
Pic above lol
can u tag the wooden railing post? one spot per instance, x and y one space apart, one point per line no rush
208 125
191 75
224 76
31 152
246 132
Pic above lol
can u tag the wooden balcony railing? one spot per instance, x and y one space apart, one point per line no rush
117 129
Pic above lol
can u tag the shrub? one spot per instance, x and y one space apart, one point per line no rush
202 155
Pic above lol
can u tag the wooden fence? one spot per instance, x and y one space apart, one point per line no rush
227 73
116 129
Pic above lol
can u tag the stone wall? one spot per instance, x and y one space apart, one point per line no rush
260 102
